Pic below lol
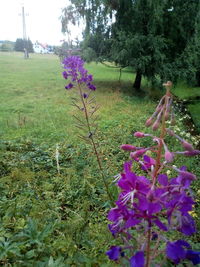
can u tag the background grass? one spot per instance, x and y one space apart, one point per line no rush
191 99
47 218
34 103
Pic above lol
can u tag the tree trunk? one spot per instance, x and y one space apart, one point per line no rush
138 79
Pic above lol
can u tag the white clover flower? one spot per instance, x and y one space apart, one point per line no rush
168 172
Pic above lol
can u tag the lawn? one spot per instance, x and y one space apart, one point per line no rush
191 100
51 218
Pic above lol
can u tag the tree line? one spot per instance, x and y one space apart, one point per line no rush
158 39
19 45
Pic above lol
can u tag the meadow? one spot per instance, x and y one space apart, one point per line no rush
59 218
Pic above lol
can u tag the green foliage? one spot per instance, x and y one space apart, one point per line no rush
20 44
158 39
6 46
89 54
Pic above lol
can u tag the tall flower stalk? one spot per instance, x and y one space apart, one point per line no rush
152 204
79 78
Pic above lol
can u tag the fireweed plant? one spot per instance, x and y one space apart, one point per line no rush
151 205
148 206
85 103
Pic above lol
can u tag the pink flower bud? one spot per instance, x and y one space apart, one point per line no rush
149 122
169 157
191 153
127 147
139 134
187 146
155 126
170 132
137 153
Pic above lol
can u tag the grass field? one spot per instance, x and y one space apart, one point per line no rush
34 103
52 219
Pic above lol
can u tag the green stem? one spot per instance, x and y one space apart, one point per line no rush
94 145
148 247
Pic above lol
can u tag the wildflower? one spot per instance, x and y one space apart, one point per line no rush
180 250
74 70
114 253
65 75
147 163
137 260
175 251
155 200
69 86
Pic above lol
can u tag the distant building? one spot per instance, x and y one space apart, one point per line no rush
42 48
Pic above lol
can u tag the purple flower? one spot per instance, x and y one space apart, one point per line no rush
65 75
175 251
180 250
114 253
163 179
147 163
187 225
89 77
69 86
74 70
193 256
85 95
91 86
137 260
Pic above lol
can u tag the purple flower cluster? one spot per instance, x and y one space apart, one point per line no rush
75 71
151 204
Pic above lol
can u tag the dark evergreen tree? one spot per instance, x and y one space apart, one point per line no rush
20 44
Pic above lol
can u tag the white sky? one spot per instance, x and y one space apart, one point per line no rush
42 20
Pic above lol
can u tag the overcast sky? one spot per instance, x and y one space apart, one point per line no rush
42 20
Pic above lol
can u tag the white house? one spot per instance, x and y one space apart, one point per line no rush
41 48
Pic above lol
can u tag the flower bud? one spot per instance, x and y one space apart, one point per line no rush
191 153
139 134
137 153
127 147
169 156
170 132
187 146
155 126
149 122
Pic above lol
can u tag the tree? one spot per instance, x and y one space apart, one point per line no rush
20 44
180 31
151 36
6 46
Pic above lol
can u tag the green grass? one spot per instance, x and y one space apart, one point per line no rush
51 219
34 104
191 94
183 91
194 110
